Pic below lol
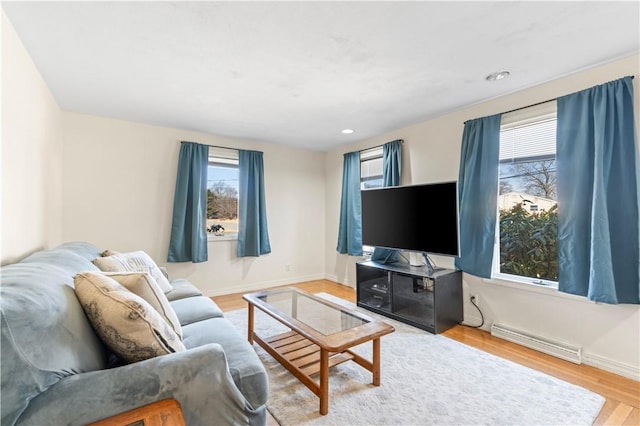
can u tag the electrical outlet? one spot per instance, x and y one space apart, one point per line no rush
287 268
474 298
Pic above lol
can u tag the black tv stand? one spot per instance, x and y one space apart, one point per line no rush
428 298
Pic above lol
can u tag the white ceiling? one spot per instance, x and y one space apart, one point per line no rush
297 73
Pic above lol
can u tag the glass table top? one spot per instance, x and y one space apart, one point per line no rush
311 311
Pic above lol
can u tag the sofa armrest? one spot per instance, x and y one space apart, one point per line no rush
198 379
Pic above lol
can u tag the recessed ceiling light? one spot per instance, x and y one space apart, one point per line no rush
497 76
347 131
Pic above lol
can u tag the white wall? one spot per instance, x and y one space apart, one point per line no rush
609 335
119 180
31 155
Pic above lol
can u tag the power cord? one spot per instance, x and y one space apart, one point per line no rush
473 302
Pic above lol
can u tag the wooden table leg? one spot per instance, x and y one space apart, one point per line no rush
324 381
376 362
250 323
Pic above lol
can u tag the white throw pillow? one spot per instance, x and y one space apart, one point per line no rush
135 261
145 286
125 322
108 252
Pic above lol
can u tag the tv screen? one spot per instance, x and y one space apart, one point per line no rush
422 218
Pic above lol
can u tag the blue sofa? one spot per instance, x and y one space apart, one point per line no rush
56 371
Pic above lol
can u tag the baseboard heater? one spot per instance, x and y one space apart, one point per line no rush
557 349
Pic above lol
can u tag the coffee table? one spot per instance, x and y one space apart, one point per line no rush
321 333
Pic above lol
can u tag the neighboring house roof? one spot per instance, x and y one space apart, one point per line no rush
510 199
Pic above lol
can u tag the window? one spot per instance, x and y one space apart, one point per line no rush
371 175
222 193
526 243
371 168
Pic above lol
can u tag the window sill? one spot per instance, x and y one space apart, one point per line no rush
536 288
225 237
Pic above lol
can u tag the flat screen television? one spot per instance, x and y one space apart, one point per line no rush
420 218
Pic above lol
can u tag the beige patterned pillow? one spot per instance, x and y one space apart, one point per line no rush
135 261
125 322
145 286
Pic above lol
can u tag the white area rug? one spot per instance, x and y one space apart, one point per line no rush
426 379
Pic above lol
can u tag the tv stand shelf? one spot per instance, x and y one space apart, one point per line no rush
410 294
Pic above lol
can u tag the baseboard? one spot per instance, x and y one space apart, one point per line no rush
597 361
335 279
606 364
263 284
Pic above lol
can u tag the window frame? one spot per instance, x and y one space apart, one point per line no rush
525 116
226 158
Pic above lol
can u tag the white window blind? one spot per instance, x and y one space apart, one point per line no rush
529 141
371 168
221 156
371 164
529 134
368 154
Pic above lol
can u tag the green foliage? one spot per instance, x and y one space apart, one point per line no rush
529 242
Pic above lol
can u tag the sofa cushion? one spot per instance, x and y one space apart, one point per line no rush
193 309
182 288
126 322
81 248
67 260
143 284
245 367
135 261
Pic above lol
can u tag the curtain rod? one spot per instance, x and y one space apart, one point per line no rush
532 105
518 109
378 146
212 146
223 147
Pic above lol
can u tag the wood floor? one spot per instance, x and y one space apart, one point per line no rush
622 406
